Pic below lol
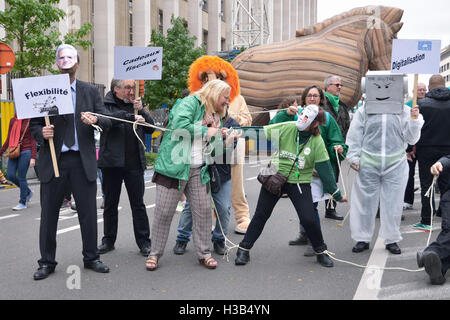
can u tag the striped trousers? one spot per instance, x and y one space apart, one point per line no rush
165 207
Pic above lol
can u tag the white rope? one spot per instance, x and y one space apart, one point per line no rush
429 194
331 255
233 245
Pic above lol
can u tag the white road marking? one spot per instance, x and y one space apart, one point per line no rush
73 228
253 178
10 216
370 284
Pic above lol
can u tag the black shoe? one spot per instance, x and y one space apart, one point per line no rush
433 266
332 214
309 252
102 206
219 247
302 240
393 248
145 250
104 248
325 260
43 272
97 266
242 257
180 247
360 247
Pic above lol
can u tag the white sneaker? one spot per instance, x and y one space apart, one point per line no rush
19 207
407 206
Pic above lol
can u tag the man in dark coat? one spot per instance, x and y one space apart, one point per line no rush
122 159
339 111
434 142
436 257
74 143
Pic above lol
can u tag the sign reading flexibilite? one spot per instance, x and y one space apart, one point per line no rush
42 96
138 63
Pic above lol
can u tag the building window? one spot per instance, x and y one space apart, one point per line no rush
222 10
130 13
205 5
205 40
160 21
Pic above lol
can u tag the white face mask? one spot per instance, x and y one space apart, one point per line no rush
307 116
67 58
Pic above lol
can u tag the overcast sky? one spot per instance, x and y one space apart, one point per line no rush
428 20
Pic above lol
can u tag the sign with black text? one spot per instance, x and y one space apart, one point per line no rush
42 96
416 56
138 63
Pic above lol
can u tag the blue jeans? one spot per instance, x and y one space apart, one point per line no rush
316 213
222 201
17 174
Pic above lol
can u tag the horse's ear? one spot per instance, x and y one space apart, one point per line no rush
396 27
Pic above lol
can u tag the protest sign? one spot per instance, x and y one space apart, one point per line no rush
42 96
138 63
416 56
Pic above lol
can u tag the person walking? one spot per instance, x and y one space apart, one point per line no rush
434 143
19 135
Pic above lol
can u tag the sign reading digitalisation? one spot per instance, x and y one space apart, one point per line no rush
138 63
42 96
416 56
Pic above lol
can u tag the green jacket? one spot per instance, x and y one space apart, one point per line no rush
185 124
330 132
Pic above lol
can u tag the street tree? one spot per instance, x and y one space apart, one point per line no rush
179 52
31 26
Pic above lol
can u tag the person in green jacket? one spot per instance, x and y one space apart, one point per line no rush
182 167
331 135
300 147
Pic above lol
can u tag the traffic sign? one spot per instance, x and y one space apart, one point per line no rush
7 58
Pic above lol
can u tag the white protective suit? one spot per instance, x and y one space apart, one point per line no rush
377 142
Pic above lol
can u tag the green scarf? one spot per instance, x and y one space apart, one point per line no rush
334 101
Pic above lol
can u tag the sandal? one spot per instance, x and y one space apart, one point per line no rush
209 263
151 263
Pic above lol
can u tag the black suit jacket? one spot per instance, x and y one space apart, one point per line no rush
88 99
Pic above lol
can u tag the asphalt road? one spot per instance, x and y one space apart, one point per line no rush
277 271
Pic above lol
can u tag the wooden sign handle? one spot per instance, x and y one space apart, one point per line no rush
52 150
416 83
137 94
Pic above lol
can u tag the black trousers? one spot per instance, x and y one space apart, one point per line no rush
303 205
426 157
409 192
442 244
135 185
52 194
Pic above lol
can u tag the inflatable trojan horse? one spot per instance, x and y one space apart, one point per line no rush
347 45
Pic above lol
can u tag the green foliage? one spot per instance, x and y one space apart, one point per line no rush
179 53
150 158
33 25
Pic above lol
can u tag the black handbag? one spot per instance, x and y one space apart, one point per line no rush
272 180
214 181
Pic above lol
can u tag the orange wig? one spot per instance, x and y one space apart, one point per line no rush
223 70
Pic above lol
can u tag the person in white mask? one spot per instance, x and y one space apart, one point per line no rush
377 139
301 150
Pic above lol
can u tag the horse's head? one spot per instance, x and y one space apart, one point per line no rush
383 24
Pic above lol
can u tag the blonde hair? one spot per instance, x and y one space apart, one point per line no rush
210 94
